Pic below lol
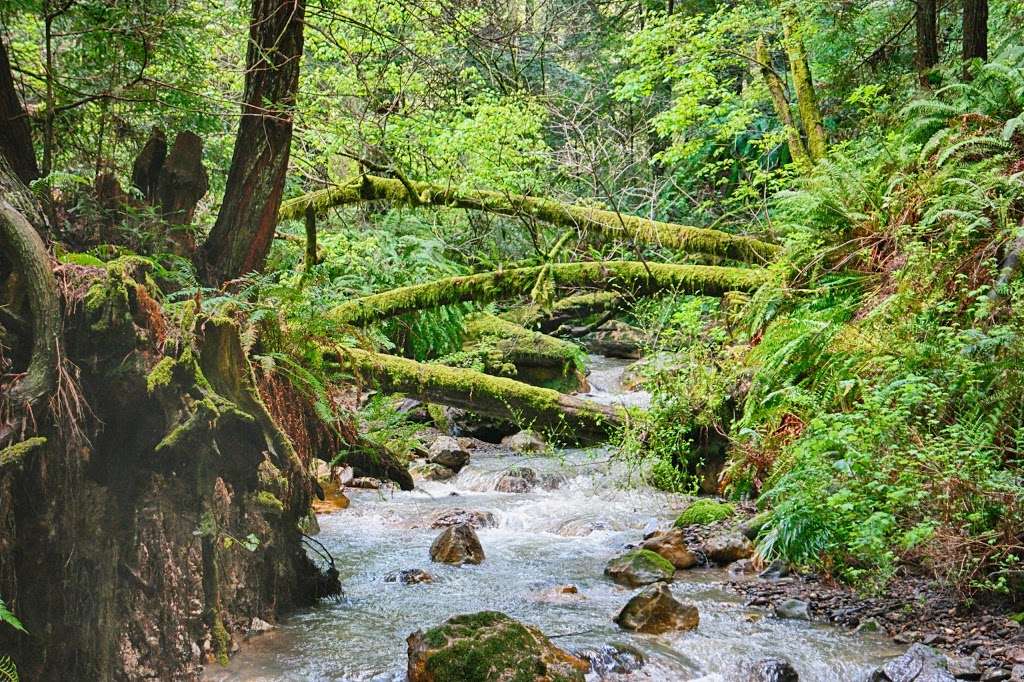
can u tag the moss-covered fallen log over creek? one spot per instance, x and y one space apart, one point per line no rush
634 277
566 418
609 224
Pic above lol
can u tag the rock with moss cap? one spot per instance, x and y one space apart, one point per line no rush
429 471
703 512
671 545
656 610
639 567
489 647
457 545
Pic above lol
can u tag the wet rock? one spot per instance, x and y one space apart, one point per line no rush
728 547
751 528
429 471
919 664
771 670
655 610
409 576
524 441
472 517
365 482
612 659
793 609
1017 674
457 545
346 475
559 594
964 667
776 570
616 339
995 675
448 452
258 626
322 470
671 545
639 567
742 567
517 480
489 646
552 481
459 422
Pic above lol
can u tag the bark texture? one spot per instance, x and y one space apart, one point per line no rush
15 131
975 25
148 164
242 235
926 20
803 84
777 90
596 221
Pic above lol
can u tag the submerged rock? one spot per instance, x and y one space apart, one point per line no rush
489 647
655 610
524 441
612 659
639 567
919 664
429 471
793 609
671 545
448 452
727 548
457 545
771 670
409 576
472 517
517 480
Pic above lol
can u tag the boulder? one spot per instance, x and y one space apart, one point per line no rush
655 610
472 517
612 659
517 480
776 570
428 471
409 576
771 670
616 339
458 422
524 441
704 511
448 452
366 482
671 545
919 664
726 548
639 567
489 647
741 568
793 609
457 545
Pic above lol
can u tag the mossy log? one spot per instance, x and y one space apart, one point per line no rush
625 276
585 218
565 417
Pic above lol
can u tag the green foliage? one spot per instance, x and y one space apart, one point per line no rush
8 618
704 511
8 671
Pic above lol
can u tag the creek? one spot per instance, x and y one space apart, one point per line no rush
543 540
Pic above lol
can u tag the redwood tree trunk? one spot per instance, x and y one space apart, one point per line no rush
926 19
15 132
976 29
241 237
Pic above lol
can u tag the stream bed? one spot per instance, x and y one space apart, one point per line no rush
543 540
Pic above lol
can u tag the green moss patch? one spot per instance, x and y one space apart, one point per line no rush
703 512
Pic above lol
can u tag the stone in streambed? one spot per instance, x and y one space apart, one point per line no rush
429 471
448 452
453 517
409 576
366 482
919 664
489 647
517 480
727 548
771 670
793 609
457 545
671 545
655 610
639 567
524 441
612 659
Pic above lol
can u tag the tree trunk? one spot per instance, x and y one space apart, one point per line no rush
975 30
585 218
806 99
241 237
797 150
624 276
15 131
926 18
568 418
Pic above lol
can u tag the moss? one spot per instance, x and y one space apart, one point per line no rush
221 641
703 512
161 374
15 454
268 500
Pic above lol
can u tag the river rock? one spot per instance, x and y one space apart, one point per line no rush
489 647
612 659
655 610
429 471
472 517
776 570
457 545
919 664
639 567
524 441
671 545
793 609
258 626
366 482
409 576
517 480
458 422
616 339
771 670
727 548
964 667
448 452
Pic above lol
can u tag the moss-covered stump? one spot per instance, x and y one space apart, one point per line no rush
489 647
655 610
639 567
704 511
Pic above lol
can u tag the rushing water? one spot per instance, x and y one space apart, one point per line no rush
543 540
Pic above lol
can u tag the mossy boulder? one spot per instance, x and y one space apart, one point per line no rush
639 567
430 471
457 545
525 441
489 647
655 610
672 546
703 512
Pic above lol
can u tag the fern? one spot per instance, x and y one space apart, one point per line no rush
8 671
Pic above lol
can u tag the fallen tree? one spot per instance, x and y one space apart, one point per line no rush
624 276
566 418
585 218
